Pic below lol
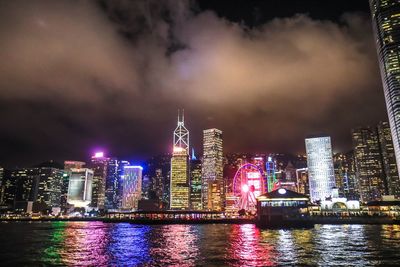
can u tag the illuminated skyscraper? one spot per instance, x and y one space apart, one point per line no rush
80 187
270 177
131 187
158 169
212 170
72 164
179 188
112 184
119 193
320 167
50 180
388 159
68 165
386 24
303 186
345 175
99 164
195 184
8 191
26 187
40 185
369 173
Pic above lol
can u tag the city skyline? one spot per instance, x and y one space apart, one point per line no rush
200 132
121 95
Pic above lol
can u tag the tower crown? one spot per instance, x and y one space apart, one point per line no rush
181 134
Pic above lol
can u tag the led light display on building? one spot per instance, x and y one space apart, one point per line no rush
131 187
320 167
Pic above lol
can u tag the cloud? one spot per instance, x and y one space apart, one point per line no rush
65 48
116 72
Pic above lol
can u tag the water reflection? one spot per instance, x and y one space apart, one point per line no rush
123 244
85 243
128 245
346 244
285 246
52 254
247 249
304 247
176 245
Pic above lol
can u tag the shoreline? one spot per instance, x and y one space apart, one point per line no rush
136 221
311 220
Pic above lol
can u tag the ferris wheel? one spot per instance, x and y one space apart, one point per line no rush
248 184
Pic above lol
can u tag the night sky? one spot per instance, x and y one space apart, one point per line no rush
76 76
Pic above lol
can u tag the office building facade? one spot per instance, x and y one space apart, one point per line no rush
388 159
68 165
179 180
369 172
99 164
320 167
80 187
195 184
386 25
131 187
212 170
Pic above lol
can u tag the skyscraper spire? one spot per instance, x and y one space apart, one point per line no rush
181 135
179 181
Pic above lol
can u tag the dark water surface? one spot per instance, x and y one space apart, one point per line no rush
124 244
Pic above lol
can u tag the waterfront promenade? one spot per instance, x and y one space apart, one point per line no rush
151 221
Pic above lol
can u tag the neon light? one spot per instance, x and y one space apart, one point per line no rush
193 155
245 188
282 191
98 155
253 175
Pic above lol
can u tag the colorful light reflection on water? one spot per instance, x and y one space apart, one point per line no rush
124 244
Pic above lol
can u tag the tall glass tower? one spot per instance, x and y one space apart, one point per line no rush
320 167
131 187
386 24
179 183
388 159
195 184
99 164
212 170
369 173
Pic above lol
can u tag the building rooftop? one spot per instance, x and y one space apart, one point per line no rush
282 193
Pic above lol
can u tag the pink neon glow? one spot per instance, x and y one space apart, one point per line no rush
245 188
98 155
253 175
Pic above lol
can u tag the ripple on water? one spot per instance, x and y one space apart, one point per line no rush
99 244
